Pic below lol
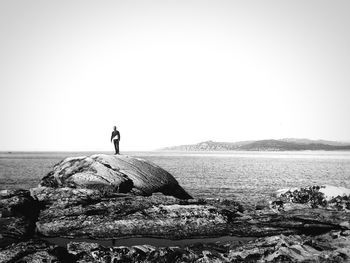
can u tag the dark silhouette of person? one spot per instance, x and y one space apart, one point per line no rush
115 138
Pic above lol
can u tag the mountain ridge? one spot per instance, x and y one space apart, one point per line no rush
286 144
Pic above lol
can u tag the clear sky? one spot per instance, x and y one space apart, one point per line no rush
172 72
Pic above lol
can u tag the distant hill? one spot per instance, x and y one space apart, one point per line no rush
264 145
308 141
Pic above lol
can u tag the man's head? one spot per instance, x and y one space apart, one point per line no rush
114 127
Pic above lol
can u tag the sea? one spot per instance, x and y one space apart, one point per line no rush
247 177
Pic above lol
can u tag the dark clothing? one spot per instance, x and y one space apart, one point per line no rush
115 135
116 146
116 138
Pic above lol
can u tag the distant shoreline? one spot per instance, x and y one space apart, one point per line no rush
265 145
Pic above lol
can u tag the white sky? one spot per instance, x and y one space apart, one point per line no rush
171 72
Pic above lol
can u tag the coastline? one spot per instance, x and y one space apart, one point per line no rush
55 219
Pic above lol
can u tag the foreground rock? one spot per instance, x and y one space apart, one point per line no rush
35 251
87 252
91 213
18 213
331 247
280 248
88 213
116 173
303 225
299 221
294 248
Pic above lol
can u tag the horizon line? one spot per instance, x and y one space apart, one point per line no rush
163 147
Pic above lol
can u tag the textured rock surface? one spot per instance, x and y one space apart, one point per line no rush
116 173
34 251
144 253
18 212
330 197
298 221
331 247
85 213
90 213
299 226
294 248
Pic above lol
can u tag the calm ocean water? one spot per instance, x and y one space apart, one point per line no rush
246 176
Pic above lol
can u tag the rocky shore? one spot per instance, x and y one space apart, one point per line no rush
101 197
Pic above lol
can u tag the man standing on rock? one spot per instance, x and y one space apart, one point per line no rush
116 138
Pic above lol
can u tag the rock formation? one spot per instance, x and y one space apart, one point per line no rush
280 248
319 234
88 213
115 173
82 199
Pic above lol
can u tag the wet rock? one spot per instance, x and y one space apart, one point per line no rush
115 173
18 213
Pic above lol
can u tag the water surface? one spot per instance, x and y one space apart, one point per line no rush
247 176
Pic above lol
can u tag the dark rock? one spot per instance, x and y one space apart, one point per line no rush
298 221
307 225
330 247
16 203
114 173
292 248
34 251
13 229
279 248
144 253
18 213
227 204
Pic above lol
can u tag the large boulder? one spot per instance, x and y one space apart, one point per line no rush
117 173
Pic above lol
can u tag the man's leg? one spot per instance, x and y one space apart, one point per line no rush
117 149
115 146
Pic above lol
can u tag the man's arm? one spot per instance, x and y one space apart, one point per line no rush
112 136
118 135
